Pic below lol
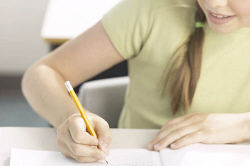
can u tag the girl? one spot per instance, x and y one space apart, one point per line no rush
188 67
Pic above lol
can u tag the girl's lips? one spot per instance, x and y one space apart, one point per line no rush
216 20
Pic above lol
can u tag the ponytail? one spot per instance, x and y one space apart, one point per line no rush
185 76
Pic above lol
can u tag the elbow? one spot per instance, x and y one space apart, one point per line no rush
31 78
26 79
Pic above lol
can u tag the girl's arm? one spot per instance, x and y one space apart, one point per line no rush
43 85
208 128
77 60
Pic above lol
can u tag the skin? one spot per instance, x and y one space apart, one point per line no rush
240 9
91 53
43 86
204 128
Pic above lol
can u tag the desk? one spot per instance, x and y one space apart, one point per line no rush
45 139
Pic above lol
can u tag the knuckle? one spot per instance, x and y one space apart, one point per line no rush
158 137
161 135
77 138
163 142
75 149
183 140
71 121
98 119
179 132
105 123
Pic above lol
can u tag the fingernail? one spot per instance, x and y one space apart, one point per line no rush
157 147
150 146
173 145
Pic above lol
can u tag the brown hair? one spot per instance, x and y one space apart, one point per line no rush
185 72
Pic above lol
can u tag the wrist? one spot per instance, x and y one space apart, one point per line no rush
246 123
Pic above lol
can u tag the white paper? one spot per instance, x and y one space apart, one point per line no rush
207 155
193 155
198 158
117 157
171 157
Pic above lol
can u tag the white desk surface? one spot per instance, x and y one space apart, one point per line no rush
65 19
45 139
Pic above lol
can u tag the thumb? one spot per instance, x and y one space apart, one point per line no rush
104 134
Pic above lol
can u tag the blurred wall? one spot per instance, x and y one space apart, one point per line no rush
20 40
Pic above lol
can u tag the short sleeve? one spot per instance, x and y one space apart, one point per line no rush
127 25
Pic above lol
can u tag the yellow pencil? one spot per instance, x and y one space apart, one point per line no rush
80 108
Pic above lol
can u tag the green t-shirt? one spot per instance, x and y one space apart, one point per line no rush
147 32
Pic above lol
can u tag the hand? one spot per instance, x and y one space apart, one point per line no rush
75 142
202 128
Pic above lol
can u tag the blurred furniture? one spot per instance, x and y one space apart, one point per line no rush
66 19
105 97
45 139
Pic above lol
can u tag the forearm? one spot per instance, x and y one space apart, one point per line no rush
44 89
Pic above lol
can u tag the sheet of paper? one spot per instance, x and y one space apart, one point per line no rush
117 157
207 155
198 158
171 157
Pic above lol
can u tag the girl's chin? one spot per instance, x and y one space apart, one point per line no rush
222 28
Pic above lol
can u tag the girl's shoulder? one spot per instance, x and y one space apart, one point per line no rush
156 5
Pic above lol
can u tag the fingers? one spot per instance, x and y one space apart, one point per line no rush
80 152
173 126
175 129
65 151
104 134
63 147
75 142
188 139
79 134
164 139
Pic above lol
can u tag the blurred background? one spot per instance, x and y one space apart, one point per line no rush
20 46
29 30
